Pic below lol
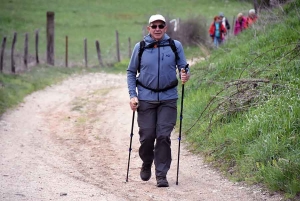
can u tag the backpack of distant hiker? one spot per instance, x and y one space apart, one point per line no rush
143 47
218 30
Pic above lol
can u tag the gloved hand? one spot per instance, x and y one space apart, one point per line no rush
134 103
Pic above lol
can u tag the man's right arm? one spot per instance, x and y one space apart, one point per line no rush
132 71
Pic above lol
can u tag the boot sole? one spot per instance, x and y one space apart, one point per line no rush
163 184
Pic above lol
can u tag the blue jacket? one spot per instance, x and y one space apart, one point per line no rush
157 70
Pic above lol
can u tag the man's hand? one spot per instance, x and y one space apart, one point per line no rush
184 76
134 103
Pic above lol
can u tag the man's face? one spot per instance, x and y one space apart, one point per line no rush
157 29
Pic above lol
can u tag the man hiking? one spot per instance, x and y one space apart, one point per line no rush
152 84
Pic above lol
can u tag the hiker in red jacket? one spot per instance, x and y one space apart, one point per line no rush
217 31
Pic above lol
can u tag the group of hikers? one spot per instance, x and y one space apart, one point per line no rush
219 28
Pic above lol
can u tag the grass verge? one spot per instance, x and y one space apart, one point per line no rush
242 107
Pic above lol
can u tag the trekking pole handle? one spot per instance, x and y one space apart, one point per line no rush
184 70
134 103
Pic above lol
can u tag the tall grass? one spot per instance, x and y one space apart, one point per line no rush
242 109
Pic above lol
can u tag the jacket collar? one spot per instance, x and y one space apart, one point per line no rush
148 39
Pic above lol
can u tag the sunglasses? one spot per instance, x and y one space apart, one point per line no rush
161 26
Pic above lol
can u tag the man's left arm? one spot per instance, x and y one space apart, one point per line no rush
182 65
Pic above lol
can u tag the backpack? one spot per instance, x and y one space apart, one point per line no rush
143 47
218 30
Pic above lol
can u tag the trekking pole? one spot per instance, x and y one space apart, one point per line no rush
180 126
131 134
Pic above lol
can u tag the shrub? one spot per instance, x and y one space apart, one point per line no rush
191 32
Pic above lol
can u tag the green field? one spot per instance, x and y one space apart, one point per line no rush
97 20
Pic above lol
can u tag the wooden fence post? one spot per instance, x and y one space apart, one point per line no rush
85 52
67 44
129 47
2 54
99 53
50 38
37 46
26 50
13 65
118 46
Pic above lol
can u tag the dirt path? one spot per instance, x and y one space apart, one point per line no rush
70 142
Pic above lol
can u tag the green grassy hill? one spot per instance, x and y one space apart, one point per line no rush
242 109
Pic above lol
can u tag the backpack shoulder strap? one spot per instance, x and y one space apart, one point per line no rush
141 50
174 48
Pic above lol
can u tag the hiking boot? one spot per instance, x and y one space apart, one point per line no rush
162 181
145 172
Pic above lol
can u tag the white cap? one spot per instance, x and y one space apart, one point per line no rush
252 11
156 18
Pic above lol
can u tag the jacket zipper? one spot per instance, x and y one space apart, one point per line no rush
158 71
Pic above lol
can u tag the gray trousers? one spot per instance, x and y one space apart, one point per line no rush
156 120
